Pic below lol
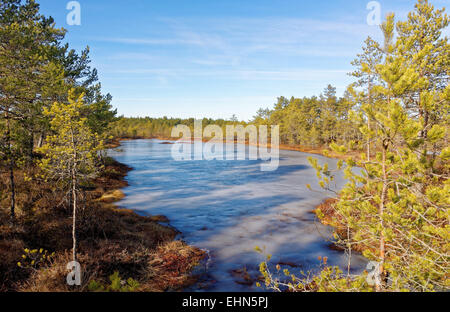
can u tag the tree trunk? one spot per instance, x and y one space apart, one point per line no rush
382 245
368 140
13 190
368 119
31 147
74 216
11 165
40 140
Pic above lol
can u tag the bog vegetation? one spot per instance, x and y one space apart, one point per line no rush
54 122
53 113
395 210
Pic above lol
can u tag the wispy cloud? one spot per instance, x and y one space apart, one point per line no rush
155 41
293 75
243 37
130 56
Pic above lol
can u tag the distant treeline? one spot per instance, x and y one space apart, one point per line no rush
133 128
314 121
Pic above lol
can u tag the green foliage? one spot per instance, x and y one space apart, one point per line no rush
311 121
133 128
72 151
37 69
71 155
308 121
116 285
394 208
329 279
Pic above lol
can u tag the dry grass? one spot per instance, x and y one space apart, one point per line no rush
110 239
53 277
328 210
170 266
111 197
167 267
330 217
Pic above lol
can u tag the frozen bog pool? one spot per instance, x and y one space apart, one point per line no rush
229 207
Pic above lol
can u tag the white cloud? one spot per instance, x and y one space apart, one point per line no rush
299 74
241 37
132 57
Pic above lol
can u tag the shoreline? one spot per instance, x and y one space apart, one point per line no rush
326 207
322 151
325 204
110 239
328 212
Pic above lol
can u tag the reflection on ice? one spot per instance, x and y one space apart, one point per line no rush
229 207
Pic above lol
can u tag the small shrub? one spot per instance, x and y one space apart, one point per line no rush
117 285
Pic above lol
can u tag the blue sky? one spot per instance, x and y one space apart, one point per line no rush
205 58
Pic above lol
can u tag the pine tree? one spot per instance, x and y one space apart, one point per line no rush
367 76
395 208
25 41
427 52
71 153
37 70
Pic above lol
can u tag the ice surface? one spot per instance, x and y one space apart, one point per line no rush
229 207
